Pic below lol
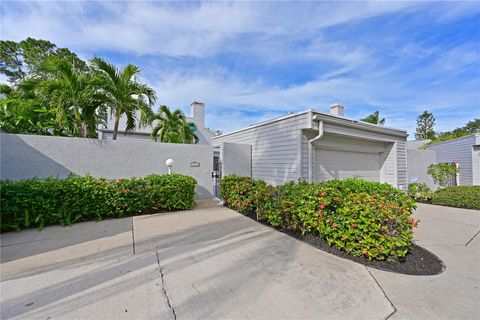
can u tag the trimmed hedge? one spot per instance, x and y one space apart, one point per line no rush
360 217
458 196
41 202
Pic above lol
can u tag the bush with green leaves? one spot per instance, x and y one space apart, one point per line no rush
241 193
458 196
443 173
420 192
41 202
362 218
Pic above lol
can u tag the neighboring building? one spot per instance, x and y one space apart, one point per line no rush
465 151
197 117
317 146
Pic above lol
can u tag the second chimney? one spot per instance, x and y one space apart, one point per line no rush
198 113
337 109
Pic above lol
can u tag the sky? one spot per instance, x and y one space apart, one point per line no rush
252 61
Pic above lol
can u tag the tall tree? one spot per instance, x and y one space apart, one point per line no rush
33 58
172 127
11 61
122 92
469 128
425 124
72 94
374 118
472 126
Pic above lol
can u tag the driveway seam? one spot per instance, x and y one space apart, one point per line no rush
476 234
164 289
383 291
133 238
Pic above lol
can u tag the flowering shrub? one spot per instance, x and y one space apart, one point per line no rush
420 192
443 173
360 217
40 202
458 196
241 193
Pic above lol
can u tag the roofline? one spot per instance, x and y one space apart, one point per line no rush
332 118
441 142
363 124
263 123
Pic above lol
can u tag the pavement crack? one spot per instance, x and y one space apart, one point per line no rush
195 288
133 238
164 289
476 234
390 301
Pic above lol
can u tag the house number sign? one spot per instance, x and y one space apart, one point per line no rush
194 164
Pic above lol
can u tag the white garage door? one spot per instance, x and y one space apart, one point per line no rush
335 164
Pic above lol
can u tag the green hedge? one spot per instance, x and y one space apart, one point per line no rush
458 196
41 202
241 193
360 217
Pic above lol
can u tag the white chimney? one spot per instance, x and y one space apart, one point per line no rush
337 109
198 113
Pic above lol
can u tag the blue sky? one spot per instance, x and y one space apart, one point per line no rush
250 61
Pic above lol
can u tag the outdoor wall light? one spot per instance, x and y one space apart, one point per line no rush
169 163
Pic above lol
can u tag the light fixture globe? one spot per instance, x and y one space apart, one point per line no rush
169 163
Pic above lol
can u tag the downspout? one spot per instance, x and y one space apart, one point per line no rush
310 148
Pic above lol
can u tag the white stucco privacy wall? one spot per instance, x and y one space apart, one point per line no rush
236 159
28 156
419 160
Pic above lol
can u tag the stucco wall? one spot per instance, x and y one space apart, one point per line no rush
27 156
418 162
236 159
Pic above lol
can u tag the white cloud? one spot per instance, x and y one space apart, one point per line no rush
274 34
176 29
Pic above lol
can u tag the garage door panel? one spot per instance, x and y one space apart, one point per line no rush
335 164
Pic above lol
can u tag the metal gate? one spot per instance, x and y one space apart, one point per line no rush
216 175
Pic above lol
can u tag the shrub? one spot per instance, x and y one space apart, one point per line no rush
41 202
443 173
420 192
360 217
458 196
241 193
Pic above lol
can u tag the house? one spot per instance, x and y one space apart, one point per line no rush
465 151
317 146
197 118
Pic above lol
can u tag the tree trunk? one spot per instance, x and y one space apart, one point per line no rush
115 128
81 131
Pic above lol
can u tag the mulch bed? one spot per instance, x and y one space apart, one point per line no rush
418 261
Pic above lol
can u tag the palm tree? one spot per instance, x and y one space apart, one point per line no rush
172 127
374 118
124 94
71 93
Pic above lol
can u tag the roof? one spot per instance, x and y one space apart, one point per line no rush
329 118
475 141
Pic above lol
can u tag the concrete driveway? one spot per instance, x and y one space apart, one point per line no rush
212 262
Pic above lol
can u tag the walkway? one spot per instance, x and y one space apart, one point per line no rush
212 262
